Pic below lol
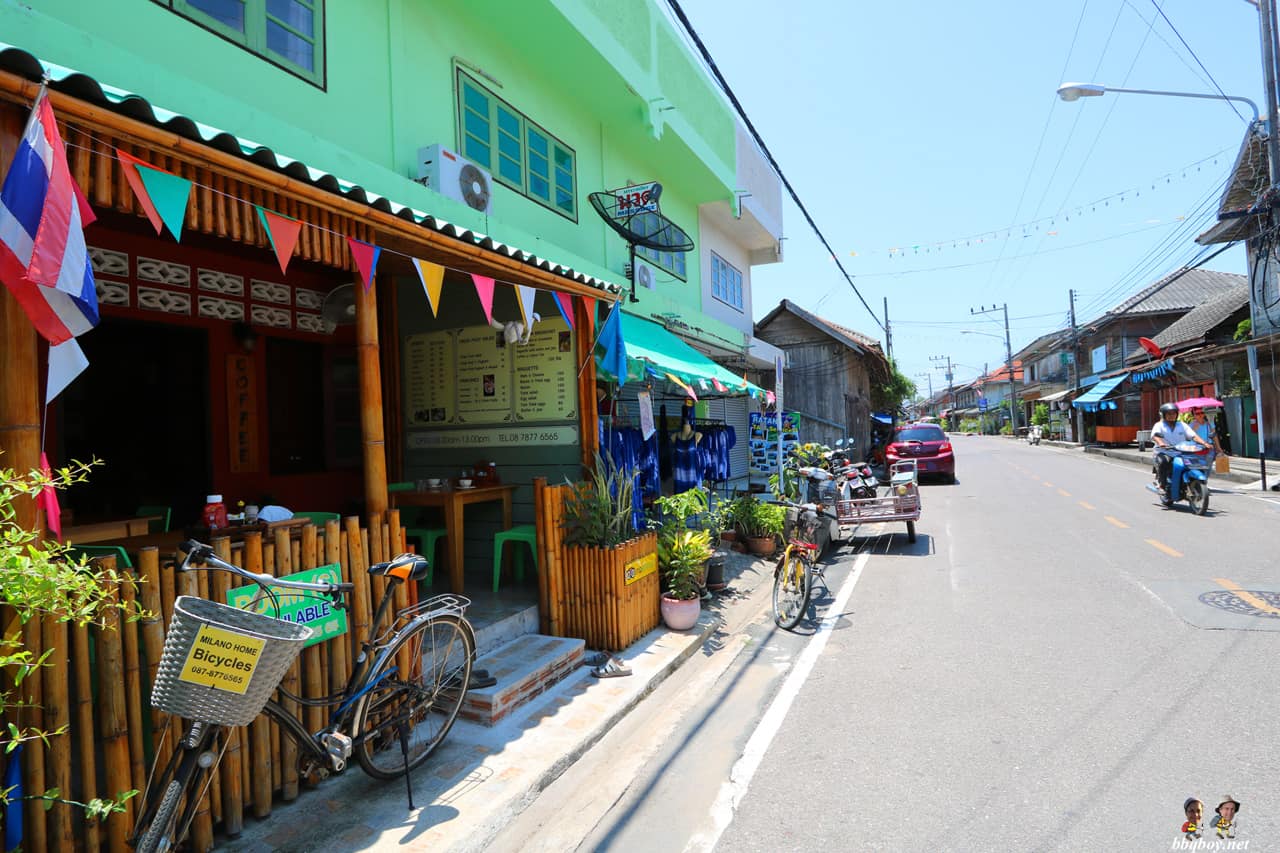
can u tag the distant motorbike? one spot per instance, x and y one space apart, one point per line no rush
1188 479
1034 434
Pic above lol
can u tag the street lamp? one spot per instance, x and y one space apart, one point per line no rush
1075 91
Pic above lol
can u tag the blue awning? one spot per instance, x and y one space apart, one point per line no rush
1092 400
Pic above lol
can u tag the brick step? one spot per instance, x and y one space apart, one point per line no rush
524 668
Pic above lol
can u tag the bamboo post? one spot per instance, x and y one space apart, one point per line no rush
359 577
288 747
113 722
133 685
259 758
230 803
371 426
57 714
338 649
201 836
153 641
84 724
312 672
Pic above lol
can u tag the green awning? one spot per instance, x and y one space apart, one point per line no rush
655 353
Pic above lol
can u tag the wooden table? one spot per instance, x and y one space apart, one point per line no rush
452 500
103 531
169 540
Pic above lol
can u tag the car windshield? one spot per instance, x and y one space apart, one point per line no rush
921 433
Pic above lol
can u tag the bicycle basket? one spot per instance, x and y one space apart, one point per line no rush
220 664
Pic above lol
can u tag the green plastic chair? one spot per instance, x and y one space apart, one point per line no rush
122 558
161 526
427 537
406 486
525 533
318 518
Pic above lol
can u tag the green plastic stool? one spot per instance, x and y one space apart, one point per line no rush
165 513
318 518
91 551
428 536
519 533
405 486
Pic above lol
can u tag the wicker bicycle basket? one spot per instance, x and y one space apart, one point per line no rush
178 688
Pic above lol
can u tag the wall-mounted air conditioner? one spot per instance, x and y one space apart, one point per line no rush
450 174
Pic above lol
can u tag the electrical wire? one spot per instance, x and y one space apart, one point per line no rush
764 149
1197 59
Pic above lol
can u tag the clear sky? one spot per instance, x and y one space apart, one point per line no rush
933 129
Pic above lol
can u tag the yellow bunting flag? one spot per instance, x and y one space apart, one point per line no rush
432 277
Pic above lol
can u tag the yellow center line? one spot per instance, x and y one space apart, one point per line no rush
1160 546
1064 493
1086 505
1117 522
1048 484
1247 596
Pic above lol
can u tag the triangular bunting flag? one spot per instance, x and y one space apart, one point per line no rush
484 289
589 303
129 165
169 193
432 278
282 232
687 389
564 301
526 295
47 500
66 362
366 258
718 385
614 356
769 397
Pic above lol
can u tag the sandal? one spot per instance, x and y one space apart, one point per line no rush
595 659
612 668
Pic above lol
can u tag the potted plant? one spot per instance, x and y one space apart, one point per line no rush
762 523
727 515
683 560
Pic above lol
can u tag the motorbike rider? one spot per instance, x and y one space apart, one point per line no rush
1168 432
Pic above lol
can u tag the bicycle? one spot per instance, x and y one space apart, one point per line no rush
390 720
794 573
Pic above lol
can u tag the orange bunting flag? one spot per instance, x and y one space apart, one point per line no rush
589 303
484 289
366 258
163 195
282 232
432 278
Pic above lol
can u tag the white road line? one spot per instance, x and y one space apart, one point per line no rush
732 791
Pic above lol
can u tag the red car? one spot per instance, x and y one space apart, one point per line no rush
927 444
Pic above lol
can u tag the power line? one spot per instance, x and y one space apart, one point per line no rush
764 149
1197 59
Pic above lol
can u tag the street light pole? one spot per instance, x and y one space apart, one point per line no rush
1008 354
1076 91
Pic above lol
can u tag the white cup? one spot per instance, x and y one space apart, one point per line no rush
464 483
433 482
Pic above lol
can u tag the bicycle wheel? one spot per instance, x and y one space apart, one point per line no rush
405 716
791 587
161 828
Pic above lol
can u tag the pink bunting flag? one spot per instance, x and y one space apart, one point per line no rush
687 389
718 385
484 289
48 501
366 258
282 232
129 165
564 301
769 397
589 302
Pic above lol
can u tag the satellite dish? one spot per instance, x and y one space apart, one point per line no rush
1151 347
339 308
647 228
474 186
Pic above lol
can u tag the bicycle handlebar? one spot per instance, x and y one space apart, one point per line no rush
199 552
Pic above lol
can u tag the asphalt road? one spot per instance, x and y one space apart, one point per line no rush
1056 664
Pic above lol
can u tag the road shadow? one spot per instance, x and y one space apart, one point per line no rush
895 542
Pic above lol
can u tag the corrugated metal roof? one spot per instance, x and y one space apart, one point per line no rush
1196 324
1250 177
1179 291
856 340
135 106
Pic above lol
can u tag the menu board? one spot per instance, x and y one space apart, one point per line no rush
545 375
483 376
429 378
473 376
765 437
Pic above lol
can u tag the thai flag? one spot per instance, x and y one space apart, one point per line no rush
43 259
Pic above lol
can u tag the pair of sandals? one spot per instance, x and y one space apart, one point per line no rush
479 678
605 665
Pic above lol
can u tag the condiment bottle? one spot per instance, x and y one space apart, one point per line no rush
215 512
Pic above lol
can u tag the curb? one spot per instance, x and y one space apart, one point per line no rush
1136 459
707 625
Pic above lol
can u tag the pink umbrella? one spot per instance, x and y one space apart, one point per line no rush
1198 403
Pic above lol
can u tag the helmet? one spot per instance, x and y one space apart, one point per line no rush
1167 408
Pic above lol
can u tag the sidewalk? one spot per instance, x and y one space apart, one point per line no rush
482 776
1244 470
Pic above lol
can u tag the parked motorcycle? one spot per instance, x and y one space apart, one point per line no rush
1034 434
1188 479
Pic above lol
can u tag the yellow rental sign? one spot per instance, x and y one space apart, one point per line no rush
640 567
222 659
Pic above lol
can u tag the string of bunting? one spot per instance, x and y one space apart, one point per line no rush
1164 368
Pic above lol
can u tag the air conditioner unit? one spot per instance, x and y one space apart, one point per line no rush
452 175
646 274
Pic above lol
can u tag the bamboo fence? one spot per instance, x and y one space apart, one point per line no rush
96 683
583 592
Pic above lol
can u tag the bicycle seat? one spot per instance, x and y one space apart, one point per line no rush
406 567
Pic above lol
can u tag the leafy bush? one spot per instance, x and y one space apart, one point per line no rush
598 512
683 561
762 519
1041 414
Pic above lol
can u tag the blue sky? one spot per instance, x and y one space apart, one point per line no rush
916 127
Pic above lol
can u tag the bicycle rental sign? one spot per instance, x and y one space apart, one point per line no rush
300 607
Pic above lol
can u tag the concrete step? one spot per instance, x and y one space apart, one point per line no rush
495 631
524 668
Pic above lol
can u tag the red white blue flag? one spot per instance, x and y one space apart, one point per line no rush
43 258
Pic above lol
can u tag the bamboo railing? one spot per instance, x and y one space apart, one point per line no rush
584 592
113 736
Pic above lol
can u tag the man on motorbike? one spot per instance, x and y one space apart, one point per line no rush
1168 432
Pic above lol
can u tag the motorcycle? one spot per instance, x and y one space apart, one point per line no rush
1034 434
1188 477
852 479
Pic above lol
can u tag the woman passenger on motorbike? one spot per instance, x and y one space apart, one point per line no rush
1167 433
1203 427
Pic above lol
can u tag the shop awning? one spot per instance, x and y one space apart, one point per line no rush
655 353
1053 398
1092 399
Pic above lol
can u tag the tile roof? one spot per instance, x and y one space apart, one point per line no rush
135 106
1194 326
1179 291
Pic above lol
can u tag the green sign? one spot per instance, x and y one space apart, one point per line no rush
300 606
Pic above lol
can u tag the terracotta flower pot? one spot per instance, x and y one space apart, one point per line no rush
680 615
761 546
728 535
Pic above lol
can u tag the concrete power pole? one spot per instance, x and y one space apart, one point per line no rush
888 331
1008 354
1075 368
1267 27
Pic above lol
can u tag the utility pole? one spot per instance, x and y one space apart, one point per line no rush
938 359
1008 353
888 331
1075 369
1267 24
